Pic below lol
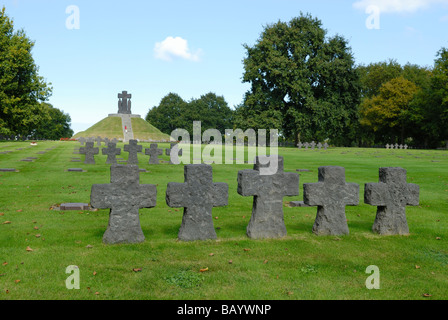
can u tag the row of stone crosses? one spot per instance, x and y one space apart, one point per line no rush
313 145
124 196
133 148
397 146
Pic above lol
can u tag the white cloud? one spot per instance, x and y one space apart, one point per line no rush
397 6
175 47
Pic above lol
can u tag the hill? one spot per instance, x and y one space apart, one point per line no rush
111 127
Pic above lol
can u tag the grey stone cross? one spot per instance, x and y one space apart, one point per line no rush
90 152
392 194
198 195
313 145
300 145
112 151
98 141
124 105
268 191
331 195
124 196
153 153
132 148
82 140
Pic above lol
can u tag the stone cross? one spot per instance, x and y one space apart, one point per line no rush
319 145
313 145
82 140
112 151
198 195
331 195
124 196
325 146
392 194
268 192
153 153
401 146
396 146
90 152
98 141
300 145
124 105
387 146
405 146
132 148
306 145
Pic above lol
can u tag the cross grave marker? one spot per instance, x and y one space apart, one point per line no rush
391 195
124 196
112 151
198 195
133 148
331 194
89 152
153 153
268 191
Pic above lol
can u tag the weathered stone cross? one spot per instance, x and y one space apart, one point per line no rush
392 194
112 151
90 152
132 148
198 195
331 195
268 192
123 104
124 196
153 153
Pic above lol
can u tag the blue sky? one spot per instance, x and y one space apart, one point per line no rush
192 47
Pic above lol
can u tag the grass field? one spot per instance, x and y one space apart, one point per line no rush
38 244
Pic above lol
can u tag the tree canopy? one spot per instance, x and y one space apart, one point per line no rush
22 90
303 83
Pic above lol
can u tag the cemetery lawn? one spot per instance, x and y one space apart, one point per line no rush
38 242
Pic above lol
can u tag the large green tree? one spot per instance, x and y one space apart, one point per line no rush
21 87
175 113
55 124
303 83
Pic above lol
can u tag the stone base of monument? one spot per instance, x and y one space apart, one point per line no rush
121 114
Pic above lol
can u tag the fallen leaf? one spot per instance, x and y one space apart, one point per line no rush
97 293
7 291
203 270
7 222
137 269
4 263
16 281
29 249
36 228
427 295
1 214
265 261
94 273
20 210
230 261
211 254
438 238
417 267
89 246
37 235
246 249
216 218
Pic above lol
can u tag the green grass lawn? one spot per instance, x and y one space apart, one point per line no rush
299 266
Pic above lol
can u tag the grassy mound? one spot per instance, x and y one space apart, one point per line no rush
111 127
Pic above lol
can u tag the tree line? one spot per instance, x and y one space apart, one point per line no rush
306 84
24 111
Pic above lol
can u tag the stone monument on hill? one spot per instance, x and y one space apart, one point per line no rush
125 113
